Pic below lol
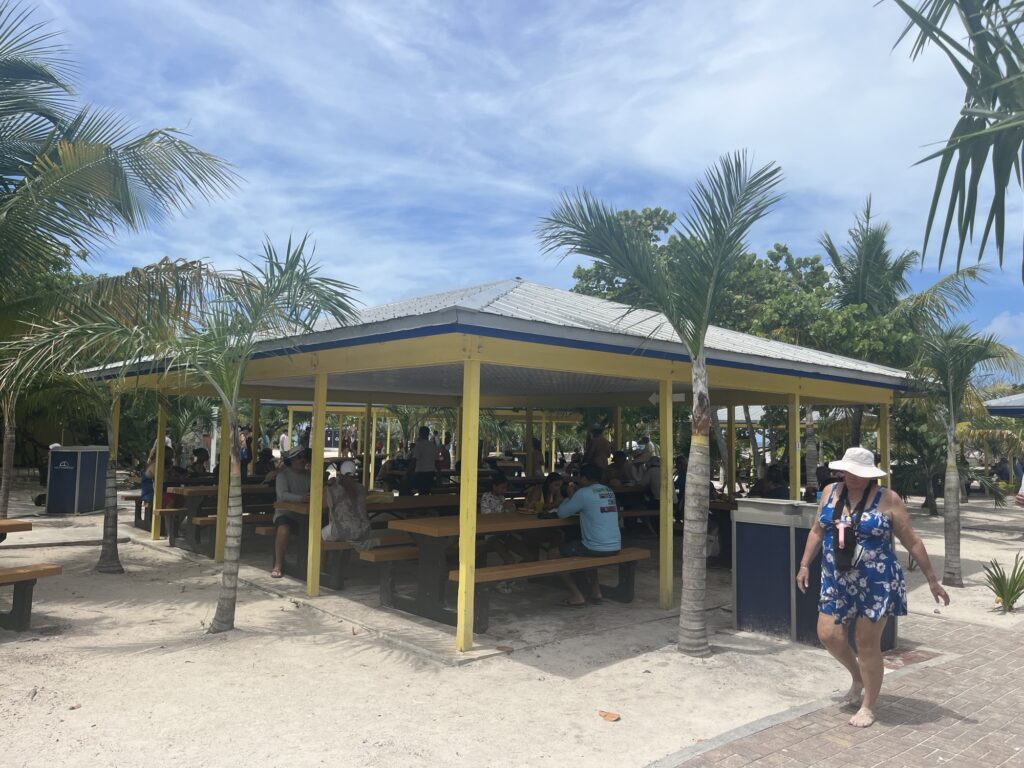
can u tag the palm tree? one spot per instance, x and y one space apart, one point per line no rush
685 288
989 135
951 357
283 296
70 180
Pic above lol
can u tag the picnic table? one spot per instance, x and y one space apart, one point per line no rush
13 526
399 506
23 578
184 523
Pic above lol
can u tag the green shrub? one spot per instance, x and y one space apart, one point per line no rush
1007 587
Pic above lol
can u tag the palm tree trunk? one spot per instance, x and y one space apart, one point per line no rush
224 617
756 457
810 453
7 473
110 561
951 572
929 496
723 449
856 420
693 629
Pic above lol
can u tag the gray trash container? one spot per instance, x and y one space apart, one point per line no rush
77 479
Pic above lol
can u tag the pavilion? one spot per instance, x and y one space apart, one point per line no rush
1012 405
520 345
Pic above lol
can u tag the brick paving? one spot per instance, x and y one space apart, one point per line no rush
964 708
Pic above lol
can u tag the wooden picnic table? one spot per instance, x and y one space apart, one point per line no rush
13 526
400 504
195 497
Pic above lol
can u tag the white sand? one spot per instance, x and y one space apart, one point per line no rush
117 670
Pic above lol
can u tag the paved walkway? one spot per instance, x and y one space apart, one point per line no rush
964 708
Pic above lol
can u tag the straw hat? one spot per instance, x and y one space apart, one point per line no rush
859 462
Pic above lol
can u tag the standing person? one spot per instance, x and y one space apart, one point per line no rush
599 537
599 450
861 579
423 454
292 484
244 452
282 443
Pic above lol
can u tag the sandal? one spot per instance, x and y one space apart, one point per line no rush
567 603
275 573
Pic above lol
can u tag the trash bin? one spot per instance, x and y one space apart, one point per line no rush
77 479
768 541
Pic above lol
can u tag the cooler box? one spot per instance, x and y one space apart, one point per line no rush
77 479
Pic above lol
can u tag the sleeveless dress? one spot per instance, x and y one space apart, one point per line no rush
875 586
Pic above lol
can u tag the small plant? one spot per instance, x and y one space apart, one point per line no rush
1007 587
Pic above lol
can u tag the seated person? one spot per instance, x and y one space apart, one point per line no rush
621 471
199 463
292 484
493 502
595 504
347 503
265 463
547 495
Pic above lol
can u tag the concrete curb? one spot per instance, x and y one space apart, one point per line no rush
75 543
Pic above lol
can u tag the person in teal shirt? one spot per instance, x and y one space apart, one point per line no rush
595 504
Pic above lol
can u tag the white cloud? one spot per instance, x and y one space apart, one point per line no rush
1008 327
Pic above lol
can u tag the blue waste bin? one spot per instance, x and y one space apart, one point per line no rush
77 479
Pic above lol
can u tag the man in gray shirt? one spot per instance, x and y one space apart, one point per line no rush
292 484
424 456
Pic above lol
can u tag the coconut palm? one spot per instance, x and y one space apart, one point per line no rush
685 288
989 134
283 295
951 358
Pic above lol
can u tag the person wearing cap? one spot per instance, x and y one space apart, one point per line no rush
291 484
857 512
348 518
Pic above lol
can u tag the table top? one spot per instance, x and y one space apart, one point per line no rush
14 526
444 527
211 490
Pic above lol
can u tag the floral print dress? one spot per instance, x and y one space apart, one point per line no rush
875 586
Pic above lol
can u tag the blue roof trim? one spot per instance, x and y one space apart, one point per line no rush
1008 410
436 330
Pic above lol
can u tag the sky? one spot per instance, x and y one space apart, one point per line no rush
420 142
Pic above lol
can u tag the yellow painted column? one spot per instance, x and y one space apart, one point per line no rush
620 439
468 503
665 565
223 484
458 435
115 430
158 474
554 445
883 442
528 439
730 446
794 446
543 440
291 428
316 483
367 447
254 450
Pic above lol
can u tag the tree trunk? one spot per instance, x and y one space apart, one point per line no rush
693 629
756 457
723 449
110 561
810 453
7 473
855 425
951 572
224 617
929 497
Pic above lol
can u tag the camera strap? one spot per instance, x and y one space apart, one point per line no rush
858 510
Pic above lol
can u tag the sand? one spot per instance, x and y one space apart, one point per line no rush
118 670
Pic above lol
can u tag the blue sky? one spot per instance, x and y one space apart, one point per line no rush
420 142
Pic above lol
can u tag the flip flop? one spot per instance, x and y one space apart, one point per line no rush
567 603
276 573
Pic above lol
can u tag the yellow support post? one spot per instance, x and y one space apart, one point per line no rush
619 439
665 563
794 447
367 447
528 439
467 503
291 428
387 445
223 485
730 446
883 442
457 440
543 440
554 444
158 471
316 483
254 450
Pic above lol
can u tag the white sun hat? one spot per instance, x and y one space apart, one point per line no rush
347 468
859 462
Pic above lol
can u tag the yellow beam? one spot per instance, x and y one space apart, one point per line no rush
291 429
528 439
255 450
665 562
367 447
223 484
554 445
883 442
316 485
793 415
467 504
158 471
620 439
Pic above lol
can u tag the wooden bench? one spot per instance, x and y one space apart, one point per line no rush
386 557
24 580
623 591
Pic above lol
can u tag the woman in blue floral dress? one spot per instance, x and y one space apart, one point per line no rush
861 581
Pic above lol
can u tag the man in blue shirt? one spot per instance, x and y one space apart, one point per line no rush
595 504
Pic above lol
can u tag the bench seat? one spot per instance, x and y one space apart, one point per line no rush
390 554
533 568
23 577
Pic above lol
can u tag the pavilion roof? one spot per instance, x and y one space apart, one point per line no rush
1012 405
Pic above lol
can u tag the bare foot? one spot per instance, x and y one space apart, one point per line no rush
854 696
863 718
